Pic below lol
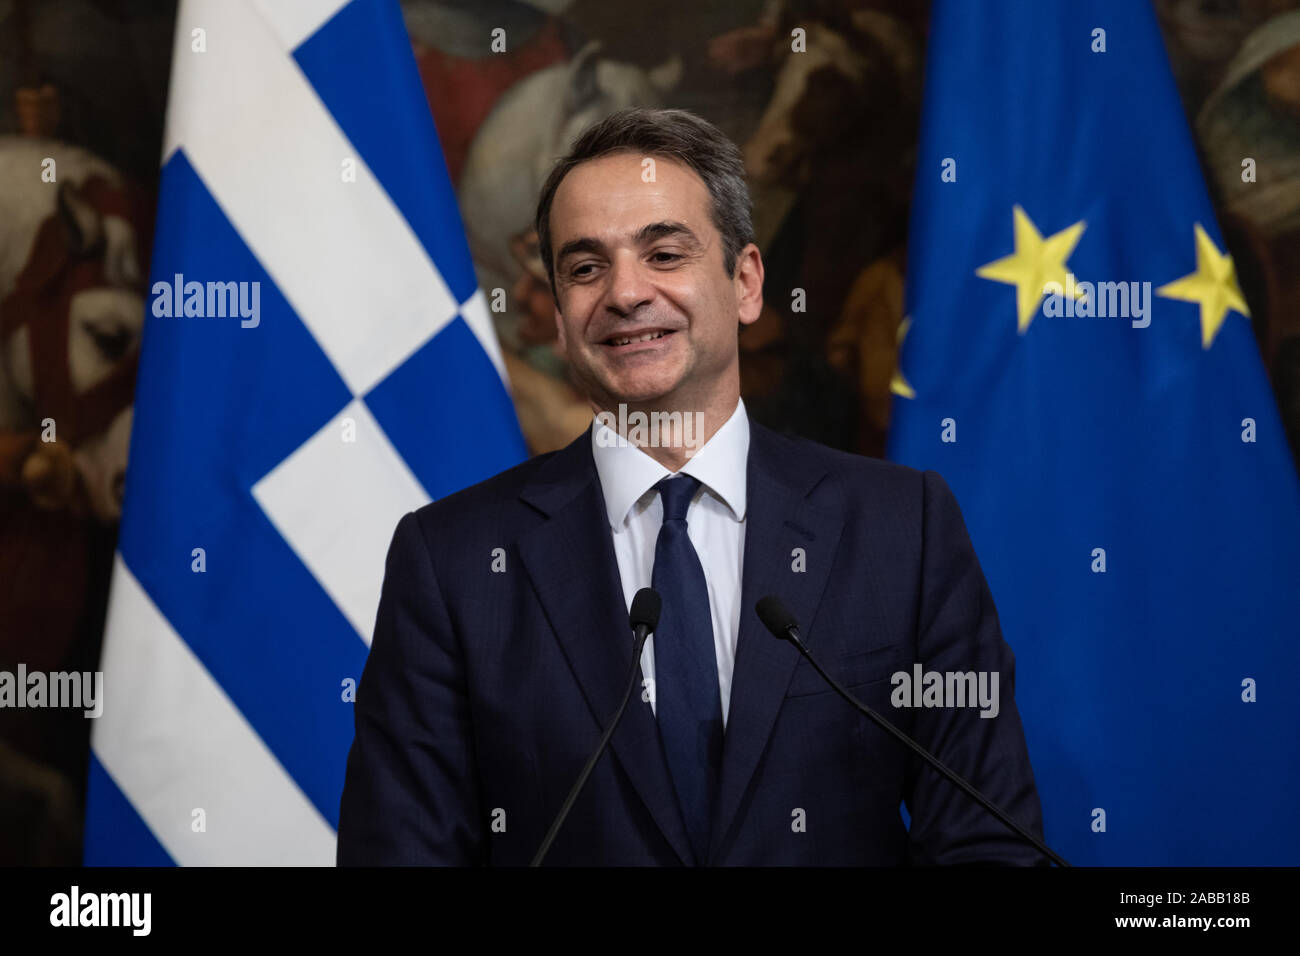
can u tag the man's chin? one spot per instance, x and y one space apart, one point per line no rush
638 395
640 389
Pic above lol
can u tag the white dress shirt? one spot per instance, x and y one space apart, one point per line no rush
715 522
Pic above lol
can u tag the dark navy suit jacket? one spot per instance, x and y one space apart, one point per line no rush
502 647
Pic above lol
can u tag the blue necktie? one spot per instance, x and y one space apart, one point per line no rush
688 704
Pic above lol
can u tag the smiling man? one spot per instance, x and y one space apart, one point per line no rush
648 289
502 642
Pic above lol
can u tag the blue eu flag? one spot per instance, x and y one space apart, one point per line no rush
1079 362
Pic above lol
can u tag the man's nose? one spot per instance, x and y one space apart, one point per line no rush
629 284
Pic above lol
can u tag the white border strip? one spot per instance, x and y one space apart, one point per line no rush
295 20
174 742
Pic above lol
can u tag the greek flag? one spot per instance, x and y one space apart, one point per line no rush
317 361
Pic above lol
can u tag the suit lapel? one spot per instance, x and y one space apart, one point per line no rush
779 519
571 563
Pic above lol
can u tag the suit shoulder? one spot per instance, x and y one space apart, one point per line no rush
861 472
469 506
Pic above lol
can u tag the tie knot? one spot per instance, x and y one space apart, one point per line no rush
676 494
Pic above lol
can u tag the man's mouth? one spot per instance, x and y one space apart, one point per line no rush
621 341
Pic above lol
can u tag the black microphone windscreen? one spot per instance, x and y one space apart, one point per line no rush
776 617
645 609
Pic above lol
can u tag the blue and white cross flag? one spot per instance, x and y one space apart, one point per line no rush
317 361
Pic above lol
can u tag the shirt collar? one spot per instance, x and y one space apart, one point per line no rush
627 473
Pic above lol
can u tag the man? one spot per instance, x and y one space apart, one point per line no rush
502 643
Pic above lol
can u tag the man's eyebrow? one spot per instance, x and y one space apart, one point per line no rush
574 246
647 233
658 230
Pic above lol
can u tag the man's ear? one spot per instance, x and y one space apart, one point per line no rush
559 330
749 284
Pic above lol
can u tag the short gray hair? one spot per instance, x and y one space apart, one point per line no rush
679 135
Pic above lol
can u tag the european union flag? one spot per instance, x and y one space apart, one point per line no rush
1078 361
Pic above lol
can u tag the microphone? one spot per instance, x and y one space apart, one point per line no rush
644 618
776 617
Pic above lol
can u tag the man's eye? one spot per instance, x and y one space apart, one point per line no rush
666 256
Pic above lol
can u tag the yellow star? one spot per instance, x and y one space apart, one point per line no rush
1213 285
899 385
1036 262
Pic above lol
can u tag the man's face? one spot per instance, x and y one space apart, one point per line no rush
635 259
